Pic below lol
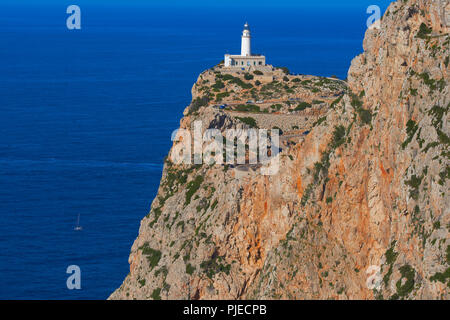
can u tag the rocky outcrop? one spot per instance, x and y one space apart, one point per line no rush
359 208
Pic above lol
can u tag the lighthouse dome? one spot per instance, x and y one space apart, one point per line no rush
246 27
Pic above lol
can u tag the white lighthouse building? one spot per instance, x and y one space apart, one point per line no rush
246 60
246 47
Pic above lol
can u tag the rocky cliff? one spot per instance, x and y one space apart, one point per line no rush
359 208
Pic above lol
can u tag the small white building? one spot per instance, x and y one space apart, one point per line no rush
246 59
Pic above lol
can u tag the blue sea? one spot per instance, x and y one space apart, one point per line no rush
86 118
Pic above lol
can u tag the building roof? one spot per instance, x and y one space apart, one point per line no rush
246 26
235 56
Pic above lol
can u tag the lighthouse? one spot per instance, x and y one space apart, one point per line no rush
246 60
246 46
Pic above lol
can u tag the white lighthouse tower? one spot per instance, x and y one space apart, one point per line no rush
246 60
246 46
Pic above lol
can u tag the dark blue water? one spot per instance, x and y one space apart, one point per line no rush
86 118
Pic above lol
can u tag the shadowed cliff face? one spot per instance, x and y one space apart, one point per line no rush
359 208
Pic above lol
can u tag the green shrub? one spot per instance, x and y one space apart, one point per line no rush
241 83
404 289
430 145
190 269
411 128
302 106
198 103
227 77
431 83
307 194
414 184
247 108
248 77
444 175
153 256
276 106
192 188
306 82
213 266
320 121
338 136
443 138
365 116
214 205
356 102
390 254
285 70
218 85
156 294
437 112
157 213
220 96
448 254
441 276
335 102
251 122
424 31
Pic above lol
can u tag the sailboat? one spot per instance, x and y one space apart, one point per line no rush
78 227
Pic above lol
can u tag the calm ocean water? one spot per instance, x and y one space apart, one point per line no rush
86 118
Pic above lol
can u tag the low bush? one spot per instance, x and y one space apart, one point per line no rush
248 121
